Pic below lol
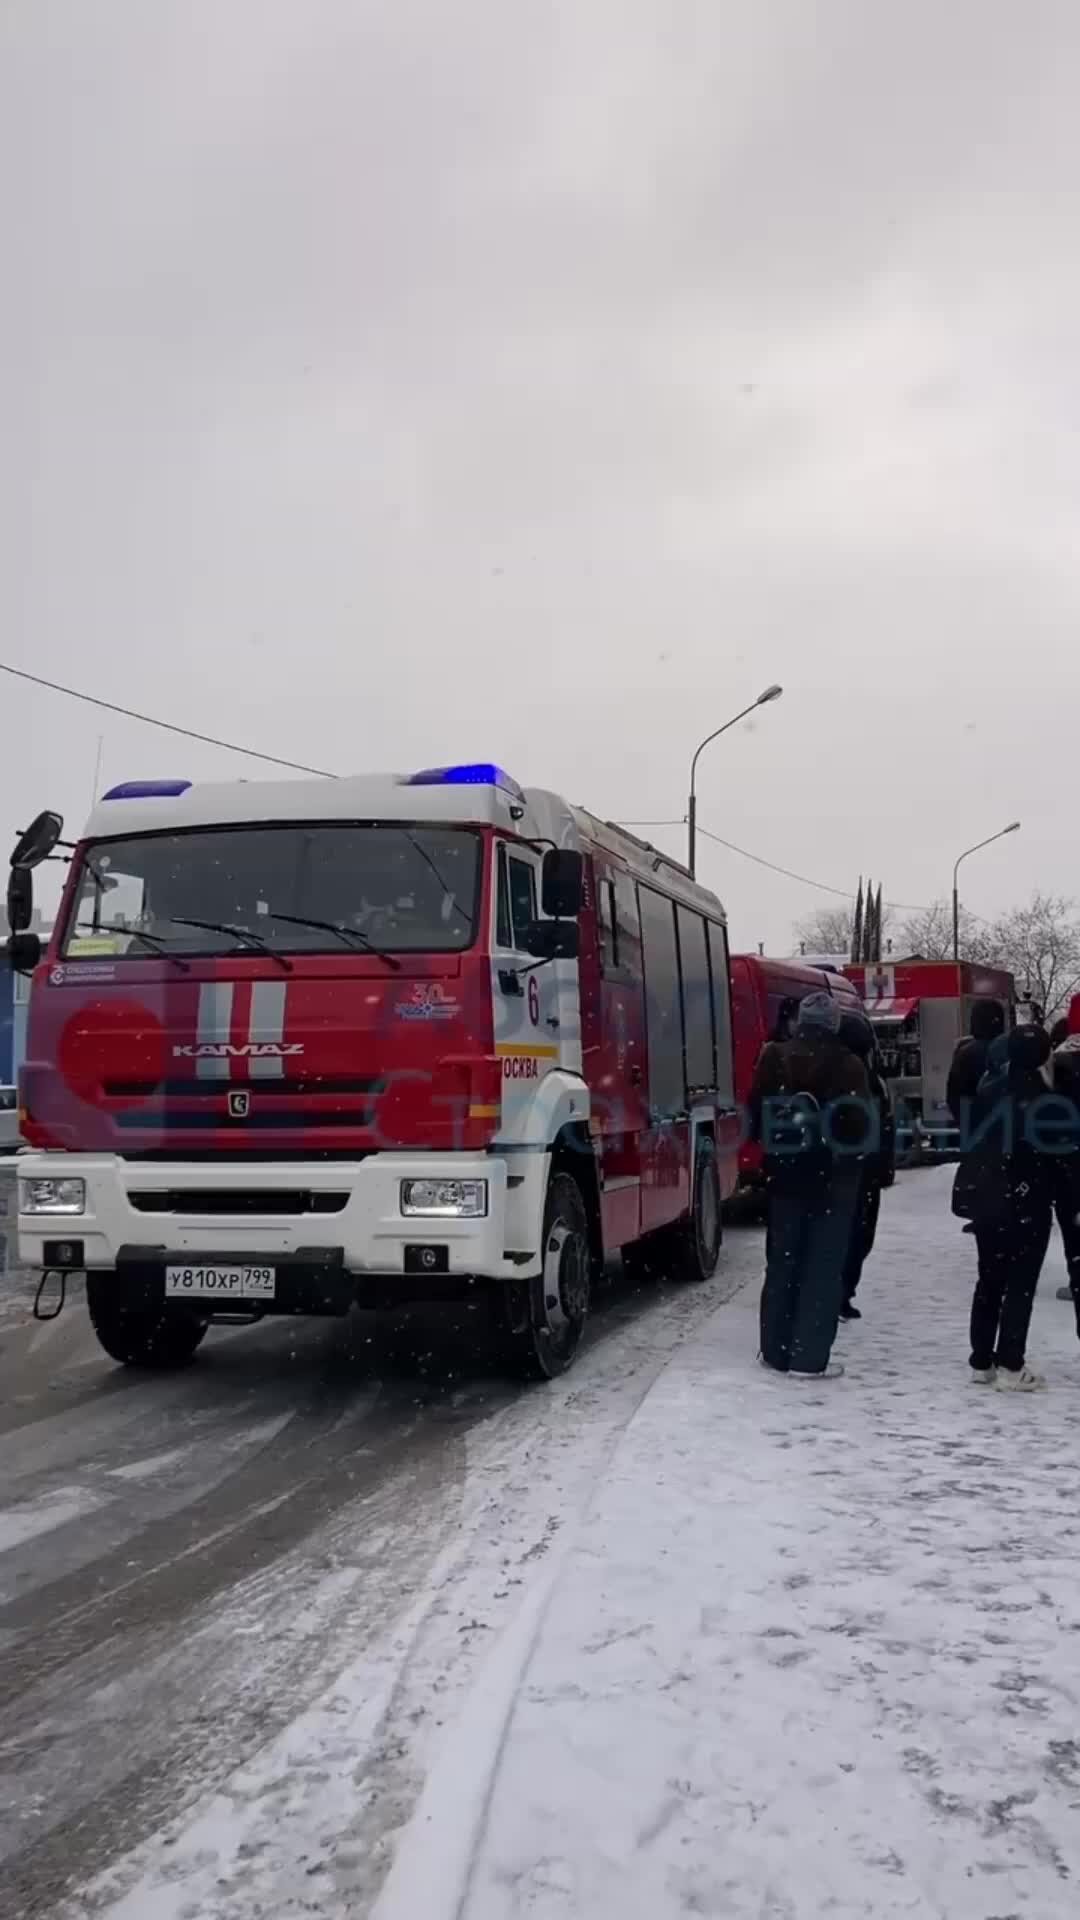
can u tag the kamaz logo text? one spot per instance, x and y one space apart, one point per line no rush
224 1050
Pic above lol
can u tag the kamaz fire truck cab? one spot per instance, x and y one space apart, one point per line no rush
297 1044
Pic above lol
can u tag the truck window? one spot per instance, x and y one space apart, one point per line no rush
663 1005
718 967
609 926
302 888
627 926
697 1000
515 900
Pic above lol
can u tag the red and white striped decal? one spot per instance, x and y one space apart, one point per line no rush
245 1014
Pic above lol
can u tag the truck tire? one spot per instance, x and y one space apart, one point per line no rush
543 1319
694 1245
158 1341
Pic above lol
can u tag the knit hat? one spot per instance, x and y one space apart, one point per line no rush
987 1019
819 1013
1029 1047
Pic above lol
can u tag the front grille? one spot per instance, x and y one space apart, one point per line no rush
242 1156
181 1120
242 1200
217 1089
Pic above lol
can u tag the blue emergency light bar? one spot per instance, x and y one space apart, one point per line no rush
147 790
477 773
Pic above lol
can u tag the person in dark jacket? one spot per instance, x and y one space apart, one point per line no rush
878 1166
809 1108
970 1060
1066 1164
1008 1178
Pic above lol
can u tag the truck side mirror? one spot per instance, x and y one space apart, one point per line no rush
37 842
553 939
20 899
561 881
24 952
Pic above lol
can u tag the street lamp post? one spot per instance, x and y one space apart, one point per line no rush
763 699
1013 827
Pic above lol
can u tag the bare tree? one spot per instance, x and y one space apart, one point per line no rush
826 930
1040 945
829 929
929 935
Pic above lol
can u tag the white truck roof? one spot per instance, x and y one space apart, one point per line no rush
481 795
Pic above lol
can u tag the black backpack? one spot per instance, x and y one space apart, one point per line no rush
791 1126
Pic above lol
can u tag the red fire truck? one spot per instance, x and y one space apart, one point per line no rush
295 1045
920 1010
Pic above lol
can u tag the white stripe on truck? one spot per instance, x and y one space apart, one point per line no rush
267 1026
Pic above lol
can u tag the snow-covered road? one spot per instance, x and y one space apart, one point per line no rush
674 1637
238 1604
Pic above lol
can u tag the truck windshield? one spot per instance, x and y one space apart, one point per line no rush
314 888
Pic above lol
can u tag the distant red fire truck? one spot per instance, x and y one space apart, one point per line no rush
920 1010
299 1044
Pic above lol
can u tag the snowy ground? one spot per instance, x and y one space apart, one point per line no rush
683 1638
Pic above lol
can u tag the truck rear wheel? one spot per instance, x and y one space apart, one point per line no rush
543 1319
159 1340
691 1250
695 1242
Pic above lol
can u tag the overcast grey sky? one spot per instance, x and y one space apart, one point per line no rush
388 383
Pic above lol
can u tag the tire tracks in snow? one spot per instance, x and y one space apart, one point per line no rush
215 1684
383 1761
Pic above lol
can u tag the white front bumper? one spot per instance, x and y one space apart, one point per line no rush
370 1227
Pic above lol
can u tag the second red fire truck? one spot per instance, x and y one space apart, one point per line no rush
920 1010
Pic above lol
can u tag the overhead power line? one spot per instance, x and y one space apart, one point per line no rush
298 766
822 886
168 726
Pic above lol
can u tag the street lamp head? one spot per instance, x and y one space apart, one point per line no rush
773 693
1014 827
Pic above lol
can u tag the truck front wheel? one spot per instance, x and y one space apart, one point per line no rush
159 1340
543 1319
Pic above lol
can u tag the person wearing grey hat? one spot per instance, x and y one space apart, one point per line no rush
810 1108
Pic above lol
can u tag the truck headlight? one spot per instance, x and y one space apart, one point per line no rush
445 1199
52 1196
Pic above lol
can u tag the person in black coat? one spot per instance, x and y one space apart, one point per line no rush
1004 1188
878 1166
808 1106
1066 1166
971 1058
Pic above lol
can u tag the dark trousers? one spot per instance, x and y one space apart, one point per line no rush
1011 1254
809 1234
864 1229
1067 1209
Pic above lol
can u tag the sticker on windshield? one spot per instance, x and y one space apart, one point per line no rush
77 972
428 1001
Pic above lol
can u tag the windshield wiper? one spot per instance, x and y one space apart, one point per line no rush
352 936
253 940
448 892
133 933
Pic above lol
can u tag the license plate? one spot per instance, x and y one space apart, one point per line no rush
225 1283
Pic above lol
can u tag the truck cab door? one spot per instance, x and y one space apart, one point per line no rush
528 1020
